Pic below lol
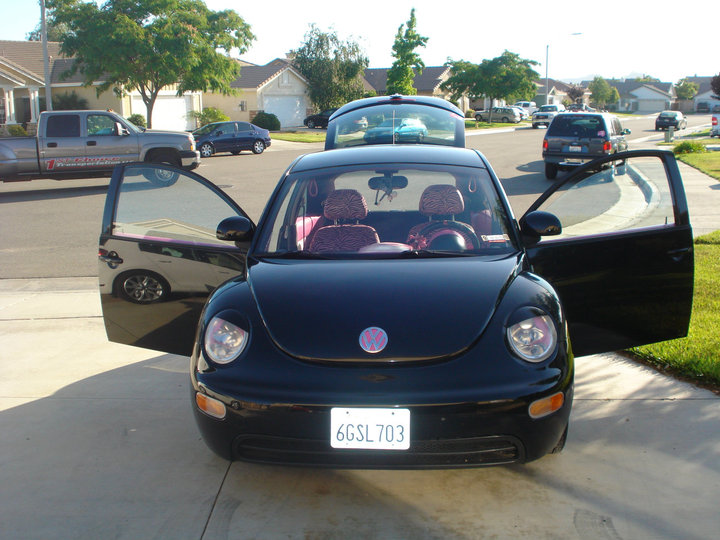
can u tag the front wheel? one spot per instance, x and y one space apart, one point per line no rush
258 147
311 124
162 177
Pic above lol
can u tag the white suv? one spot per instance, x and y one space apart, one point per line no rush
545 114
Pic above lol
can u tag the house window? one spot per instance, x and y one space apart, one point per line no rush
285 78
242 106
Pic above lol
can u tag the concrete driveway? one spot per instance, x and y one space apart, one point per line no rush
98 442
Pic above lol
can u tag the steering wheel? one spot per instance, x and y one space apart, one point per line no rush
433 226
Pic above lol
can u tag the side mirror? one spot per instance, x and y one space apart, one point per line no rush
120 129
236 229
626 132
537 224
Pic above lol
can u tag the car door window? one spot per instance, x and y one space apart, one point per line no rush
621 195
184 211
99 125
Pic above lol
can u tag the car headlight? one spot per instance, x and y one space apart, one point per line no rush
532 335
224 341
192 143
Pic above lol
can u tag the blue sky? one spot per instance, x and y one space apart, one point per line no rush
639 37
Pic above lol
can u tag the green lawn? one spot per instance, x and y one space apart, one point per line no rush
709 163
472 124
299 136
697 356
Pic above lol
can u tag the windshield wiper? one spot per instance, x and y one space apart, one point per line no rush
291 255
427 253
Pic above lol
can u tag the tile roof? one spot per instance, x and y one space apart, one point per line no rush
430 78
27 56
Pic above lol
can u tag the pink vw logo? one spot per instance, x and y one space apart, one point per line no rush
373 339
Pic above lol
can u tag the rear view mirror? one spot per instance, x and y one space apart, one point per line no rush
387 183
537 224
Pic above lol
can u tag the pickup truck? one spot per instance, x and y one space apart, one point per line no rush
81 144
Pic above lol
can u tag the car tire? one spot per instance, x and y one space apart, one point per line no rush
142 287
535 126
311 124
161 178
478 118
206 150
505 119
551 171
235 152
258 147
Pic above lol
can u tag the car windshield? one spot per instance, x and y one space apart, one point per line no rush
548 108
393 124
389 210
668 115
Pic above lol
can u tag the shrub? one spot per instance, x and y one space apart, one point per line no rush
69 102
469 113
137 119
16 130
267 121
689 147
208 116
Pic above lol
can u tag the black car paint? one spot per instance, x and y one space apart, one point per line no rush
469 406
234 137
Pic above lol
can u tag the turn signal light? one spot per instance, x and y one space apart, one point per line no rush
548 405
210 406
607 147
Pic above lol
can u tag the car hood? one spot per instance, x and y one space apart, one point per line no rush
429 308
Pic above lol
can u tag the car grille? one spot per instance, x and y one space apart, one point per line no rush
472 452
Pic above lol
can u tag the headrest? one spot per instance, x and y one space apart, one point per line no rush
345 204
440 200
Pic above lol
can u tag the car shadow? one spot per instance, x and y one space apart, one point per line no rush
62 192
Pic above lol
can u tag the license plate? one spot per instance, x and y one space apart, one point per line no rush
576 148
376 429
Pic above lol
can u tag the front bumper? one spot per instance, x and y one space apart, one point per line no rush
190 159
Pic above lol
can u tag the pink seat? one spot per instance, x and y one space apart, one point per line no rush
345 207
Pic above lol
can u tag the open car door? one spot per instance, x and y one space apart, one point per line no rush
623 263
159 256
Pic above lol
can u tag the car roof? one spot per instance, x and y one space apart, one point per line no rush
396 99
411 154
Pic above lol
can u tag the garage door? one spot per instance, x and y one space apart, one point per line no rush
290 110
169 112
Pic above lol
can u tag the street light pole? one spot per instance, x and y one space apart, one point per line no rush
46 59
547 86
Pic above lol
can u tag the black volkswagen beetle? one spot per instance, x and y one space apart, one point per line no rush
392 312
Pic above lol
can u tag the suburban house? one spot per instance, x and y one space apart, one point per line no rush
642 97
276 88
704 98
22 82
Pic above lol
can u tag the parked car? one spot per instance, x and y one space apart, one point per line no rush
529 106
715 127
319 120
392 311
499 114
545 114
666 119
232 137
703 107
397 130
579 107
523 113
576 138
82 144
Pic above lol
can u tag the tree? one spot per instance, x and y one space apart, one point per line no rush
152 44
208 116
507 77
646 79
55 31
407 62
715 85
333 68
685 89
575 93
601 92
